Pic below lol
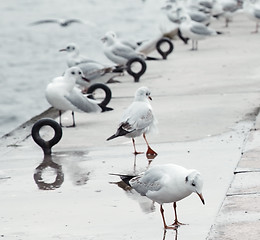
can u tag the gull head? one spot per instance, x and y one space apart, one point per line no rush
70 48
75 73
194 182
109 37
143 94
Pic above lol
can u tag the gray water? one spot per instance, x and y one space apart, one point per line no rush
29 54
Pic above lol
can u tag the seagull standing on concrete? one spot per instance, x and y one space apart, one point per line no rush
195 31
138 119
63 95
253 12
167 183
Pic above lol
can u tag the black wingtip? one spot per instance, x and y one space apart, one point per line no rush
152 58
125 178
105 108
112 137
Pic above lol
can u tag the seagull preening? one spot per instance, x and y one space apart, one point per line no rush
63 94
61 22
138 119
168 183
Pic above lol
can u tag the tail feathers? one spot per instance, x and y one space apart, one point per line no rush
119 69
151 58
105 108
120 132
125 178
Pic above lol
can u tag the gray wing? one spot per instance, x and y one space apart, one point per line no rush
45 21
257 13
148 181
93 70
201 30
81 102
198 17
124 51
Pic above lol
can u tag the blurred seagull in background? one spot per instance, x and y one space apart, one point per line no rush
195 31
137 120
252 9
63 95
166 183
225 8
62 22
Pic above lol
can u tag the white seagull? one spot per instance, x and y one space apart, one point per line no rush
195 31
94 71
62 22
63 95
118 52
138 119
166 183
253 12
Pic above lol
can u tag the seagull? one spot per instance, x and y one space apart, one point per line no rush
73 55
225 8
253 12
62 22
167 183
63 95
118 52
195 31
94 71
137 120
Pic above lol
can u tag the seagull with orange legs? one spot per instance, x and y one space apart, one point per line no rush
167 183
138 119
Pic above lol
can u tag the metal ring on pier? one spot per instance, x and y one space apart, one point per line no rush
159 44
46 145
136 75
105 88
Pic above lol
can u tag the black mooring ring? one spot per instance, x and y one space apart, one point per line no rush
136 75
164 54
46 145
104 87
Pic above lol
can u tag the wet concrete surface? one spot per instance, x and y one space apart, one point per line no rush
206 116
73 196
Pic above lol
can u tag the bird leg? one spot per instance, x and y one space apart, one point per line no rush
176 222
150 152
60 118
164 223
73 119
135 152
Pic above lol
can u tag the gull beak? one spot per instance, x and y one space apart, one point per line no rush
63 50
85 79
150 98
201 198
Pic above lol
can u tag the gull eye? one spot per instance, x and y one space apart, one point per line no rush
68 48
73 73
193 184
73 48
79 72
